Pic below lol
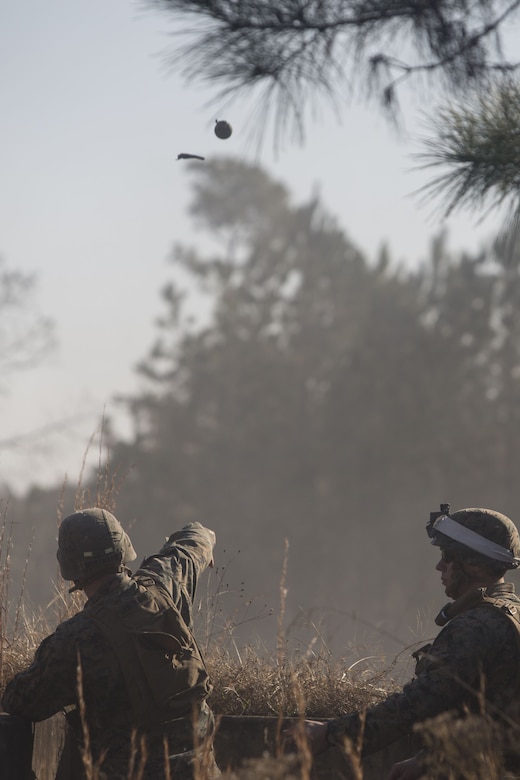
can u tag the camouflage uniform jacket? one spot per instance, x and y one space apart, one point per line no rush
50 683
480 644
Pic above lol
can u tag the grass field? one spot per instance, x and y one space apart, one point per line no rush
248 682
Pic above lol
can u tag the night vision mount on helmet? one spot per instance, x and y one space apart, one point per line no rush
476 535
92 542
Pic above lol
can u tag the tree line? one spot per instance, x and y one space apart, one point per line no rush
316 396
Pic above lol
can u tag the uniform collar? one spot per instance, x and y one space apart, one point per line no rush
117 582
501 589
472 598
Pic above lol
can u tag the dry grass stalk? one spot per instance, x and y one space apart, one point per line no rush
280 643
5 557
462 749
285 767
92 768
167 773
18 637
353 751
136 768
259 686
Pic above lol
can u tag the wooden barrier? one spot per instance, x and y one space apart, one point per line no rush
16 748
238 739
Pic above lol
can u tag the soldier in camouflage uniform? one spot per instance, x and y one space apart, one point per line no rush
126 670
476 653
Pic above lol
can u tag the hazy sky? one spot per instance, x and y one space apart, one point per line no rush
92 199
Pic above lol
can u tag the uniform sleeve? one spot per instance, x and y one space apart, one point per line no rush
179 563
449 679
46 686
195 541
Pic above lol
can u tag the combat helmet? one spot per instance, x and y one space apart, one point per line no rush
92 542
476 535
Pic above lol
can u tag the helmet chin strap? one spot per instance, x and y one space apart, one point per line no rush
462 580
470 599
465 591
75 587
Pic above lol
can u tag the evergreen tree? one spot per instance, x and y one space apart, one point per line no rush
299 51
324 399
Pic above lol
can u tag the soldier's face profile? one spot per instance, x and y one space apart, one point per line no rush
448 578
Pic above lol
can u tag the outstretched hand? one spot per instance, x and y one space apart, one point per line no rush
213 538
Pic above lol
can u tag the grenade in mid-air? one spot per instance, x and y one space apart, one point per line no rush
222 129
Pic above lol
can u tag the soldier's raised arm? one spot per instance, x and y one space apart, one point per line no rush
179 563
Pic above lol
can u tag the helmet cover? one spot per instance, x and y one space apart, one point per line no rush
92 542
476 535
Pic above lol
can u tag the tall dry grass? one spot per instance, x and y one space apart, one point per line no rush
252 681
246 681
305 682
